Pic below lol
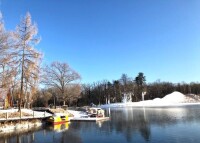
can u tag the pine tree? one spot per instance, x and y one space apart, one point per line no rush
140 82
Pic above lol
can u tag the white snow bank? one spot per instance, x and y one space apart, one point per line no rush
36 113
19 126
77 113
173 99
28 111
8 110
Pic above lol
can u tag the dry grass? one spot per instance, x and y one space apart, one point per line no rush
17 114
14 115
3 115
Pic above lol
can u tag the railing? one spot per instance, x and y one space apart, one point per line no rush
34 115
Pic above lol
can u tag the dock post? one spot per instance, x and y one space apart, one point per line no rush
6 115
20 114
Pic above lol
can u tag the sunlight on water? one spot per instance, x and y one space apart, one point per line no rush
127 125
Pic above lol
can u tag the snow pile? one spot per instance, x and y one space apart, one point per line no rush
173 99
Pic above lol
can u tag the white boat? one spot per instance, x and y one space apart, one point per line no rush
90 119
96 112
93 114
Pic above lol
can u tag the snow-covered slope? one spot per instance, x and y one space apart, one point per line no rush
173 99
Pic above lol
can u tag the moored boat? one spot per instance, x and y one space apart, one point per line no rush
93 114
58 118
96 112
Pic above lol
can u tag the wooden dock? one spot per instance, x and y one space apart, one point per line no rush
22 118
32 116
89 119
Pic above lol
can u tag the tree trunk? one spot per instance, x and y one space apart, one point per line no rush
22 82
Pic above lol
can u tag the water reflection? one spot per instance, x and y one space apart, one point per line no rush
126 125
130 121
18 137
59 127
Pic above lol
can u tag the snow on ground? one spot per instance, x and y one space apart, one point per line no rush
77 113
173 99
36 113
28 111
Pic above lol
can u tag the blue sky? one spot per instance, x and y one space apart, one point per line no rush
101 39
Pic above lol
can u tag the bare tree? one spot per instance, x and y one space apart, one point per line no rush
46 95
124 81
73 93
26 56
60 75
41 98
7 70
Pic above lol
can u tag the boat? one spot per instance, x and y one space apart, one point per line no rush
93 114
58 118
89 119
96 112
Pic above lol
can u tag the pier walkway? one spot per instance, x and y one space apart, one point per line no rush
25 114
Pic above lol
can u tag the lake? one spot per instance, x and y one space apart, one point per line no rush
127 125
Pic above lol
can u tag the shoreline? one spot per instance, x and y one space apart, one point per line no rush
174 99
149 105
22 126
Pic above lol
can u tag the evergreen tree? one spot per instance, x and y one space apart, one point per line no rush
140 81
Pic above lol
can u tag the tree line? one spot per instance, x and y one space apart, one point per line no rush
100 92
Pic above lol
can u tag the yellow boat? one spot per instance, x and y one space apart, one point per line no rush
60 127
58 118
